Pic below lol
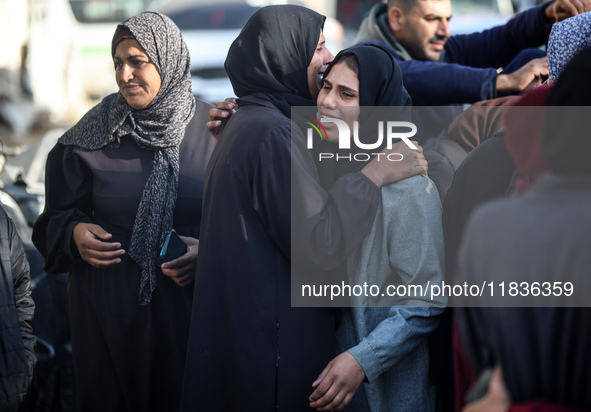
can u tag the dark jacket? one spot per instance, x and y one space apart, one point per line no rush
467 70
16 313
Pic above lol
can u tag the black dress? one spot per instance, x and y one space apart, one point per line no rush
127 357
249 349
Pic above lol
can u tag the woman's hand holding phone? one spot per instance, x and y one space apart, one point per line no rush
182 270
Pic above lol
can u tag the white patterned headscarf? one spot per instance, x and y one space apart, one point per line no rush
567 39
159 127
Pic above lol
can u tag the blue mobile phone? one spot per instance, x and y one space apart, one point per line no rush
173 247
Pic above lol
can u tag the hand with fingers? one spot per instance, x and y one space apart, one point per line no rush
528 75
563 9
182 270
219 115
94 247
337 383
497 398
384 172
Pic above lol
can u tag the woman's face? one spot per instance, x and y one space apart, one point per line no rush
339 98
136 75
320 61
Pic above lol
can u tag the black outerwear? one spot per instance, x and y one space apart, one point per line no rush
544 352
541 236
249 350
16 312
484 175
129 357
264 211
271 55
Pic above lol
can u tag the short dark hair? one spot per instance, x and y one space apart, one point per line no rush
404 5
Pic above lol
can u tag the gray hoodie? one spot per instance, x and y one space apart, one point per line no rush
375 27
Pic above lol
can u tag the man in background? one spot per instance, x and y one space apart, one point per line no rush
441 69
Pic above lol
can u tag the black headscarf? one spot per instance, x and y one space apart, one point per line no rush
271 55
160 127
380 85
566 142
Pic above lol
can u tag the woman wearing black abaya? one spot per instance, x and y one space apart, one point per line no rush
249 350
116 182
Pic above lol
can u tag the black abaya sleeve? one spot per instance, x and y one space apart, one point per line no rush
328 226
68 187
325 226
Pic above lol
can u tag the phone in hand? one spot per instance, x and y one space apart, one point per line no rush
173 247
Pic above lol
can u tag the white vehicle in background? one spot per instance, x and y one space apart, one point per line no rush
69 52
209 28
471 16
69 49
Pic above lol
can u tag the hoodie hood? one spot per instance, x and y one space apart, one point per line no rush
375 27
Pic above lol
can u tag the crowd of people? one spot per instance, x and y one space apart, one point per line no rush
260 214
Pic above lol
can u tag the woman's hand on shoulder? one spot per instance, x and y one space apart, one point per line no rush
182 270
94 247
219 115
388 167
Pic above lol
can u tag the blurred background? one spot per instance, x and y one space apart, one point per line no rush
58 51
55 64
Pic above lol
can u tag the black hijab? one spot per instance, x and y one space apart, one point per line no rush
159 127
382 97
271 55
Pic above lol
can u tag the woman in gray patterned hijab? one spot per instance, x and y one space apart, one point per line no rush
158 125
129 171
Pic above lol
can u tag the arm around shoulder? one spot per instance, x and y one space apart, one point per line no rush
327 225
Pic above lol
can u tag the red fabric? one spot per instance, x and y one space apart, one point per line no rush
464 375
523 131
540 406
